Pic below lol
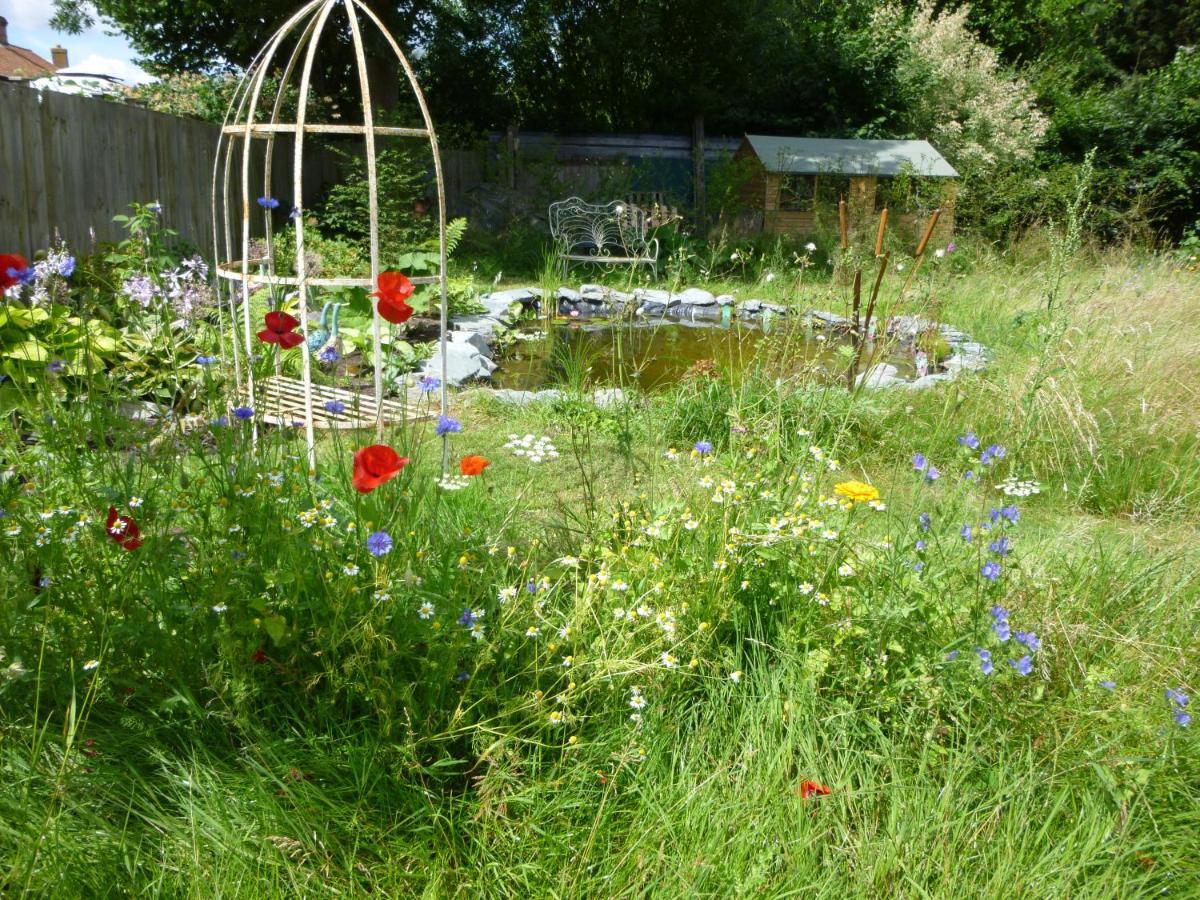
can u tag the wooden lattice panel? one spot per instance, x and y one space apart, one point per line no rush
281 402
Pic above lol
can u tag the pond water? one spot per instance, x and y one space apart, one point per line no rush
656 355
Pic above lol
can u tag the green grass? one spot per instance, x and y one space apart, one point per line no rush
351 763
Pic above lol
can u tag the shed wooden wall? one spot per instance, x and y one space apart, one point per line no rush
763 191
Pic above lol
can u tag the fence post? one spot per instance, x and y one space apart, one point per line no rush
698 193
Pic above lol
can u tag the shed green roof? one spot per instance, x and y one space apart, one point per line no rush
816 156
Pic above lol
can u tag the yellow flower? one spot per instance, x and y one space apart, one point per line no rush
858 491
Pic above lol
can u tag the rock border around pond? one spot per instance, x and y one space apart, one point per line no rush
469 343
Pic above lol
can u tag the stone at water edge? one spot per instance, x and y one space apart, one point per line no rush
726 300
697 297
463 363
879 375
480 342
608 397
565 293
481 324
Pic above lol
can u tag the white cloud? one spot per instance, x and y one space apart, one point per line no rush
95 64
27 14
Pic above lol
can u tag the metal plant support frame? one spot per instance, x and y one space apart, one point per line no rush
239 269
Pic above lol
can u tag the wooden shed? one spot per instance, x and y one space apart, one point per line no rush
793 184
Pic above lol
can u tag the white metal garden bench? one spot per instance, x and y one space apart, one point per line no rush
608 234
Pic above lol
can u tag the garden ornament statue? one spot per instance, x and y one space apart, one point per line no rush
248 181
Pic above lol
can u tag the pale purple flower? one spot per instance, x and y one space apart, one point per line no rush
1024 665
703 447
1029 639
990 570
969 440
447 425
919 462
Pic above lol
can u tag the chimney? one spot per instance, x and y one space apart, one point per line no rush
3 32
58 55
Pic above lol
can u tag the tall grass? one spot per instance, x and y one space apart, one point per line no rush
354 762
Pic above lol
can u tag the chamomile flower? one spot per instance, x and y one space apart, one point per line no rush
426 610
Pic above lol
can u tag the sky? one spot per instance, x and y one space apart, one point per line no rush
93 51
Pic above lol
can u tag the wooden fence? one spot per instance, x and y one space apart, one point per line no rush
68 164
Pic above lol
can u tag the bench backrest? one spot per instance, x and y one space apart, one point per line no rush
600 229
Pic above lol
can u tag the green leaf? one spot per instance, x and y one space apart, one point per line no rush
27 351
276 627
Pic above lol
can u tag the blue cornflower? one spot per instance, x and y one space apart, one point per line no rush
1000 546
205 360
990 570
923 520
1002 629
966 533
428 384
243 413
379 543
1029 639
336 407
1108 685
991 454
220 421
268 203
447 425
703 447
531 586
26 276
969 440
1024 665
932 473
1011 513
328 355
67 267
919 462
467 619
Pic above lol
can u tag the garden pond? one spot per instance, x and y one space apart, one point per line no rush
657 354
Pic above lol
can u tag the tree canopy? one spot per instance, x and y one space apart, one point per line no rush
1054 77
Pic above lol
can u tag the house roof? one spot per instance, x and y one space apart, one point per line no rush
816 156
18 62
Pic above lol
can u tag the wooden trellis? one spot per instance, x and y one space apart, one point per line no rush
251 128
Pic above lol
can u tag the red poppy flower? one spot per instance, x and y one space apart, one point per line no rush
394 289
473 465
374 465
10 261
122 530
812 789
281 330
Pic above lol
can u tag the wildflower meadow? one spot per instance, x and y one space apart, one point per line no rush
737 636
